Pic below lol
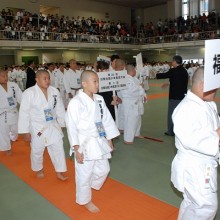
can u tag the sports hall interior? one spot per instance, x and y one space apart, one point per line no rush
139 184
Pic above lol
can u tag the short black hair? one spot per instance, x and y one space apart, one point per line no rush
114 57
178 59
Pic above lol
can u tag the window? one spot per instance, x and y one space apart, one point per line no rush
185 8
204 7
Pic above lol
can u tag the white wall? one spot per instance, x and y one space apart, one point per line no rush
154 13
75 8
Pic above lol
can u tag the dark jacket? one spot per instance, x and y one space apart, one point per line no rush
30 77
178 77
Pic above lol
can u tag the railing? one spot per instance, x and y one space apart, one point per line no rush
89 38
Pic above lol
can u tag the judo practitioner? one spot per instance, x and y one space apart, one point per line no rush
194 168
10 94
90 129
59 84
72 79
41 117
132 102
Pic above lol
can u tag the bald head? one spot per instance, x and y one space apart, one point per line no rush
2 71
198 76
87 74
131 70
41 72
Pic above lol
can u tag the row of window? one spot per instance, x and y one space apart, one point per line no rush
186 6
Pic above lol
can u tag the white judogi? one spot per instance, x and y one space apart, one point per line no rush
9 114
143 78
59 84
72 81
132 101
194 168
52 77
43 119
82 114
190 73
19 77
24 78
12 76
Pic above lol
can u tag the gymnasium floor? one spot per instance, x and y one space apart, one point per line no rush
144 166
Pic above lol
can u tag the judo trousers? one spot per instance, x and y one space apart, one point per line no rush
8 133
90 174
56 153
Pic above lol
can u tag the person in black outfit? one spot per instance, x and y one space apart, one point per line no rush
178 78
30 74
102 66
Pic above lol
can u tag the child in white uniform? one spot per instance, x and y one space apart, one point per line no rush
41 117
90 129
10 94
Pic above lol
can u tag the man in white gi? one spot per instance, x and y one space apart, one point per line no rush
19 77
190 72
132 101
119 65
10 94
194 168
41 117
59 84
90 128
50 70
72 79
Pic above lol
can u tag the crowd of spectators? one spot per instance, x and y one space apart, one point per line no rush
66 28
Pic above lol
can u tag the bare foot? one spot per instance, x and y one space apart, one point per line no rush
40 174
126 142
139 136
60 176
92 207
8 152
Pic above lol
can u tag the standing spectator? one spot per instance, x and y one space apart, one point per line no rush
178 78
30 74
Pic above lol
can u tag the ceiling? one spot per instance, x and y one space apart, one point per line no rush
134 3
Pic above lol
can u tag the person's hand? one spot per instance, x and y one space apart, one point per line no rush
27 137
79 156
70 95
111 144
218 131
145 98
119 100
165 85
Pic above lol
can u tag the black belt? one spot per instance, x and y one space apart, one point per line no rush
75 89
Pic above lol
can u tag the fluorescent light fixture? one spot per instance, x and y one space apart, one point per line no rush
28 49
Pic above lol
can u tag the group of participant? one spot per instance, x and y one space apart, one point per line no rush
91 127
88 116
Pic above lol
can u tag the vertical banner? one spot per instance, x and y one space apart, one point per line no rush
212 65
139 64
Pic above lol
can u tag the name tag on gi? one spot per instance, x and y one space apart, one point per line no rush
100 129
48 114
11 101
78 81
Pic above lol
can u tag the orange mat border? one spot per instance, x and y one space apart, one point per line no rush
116 200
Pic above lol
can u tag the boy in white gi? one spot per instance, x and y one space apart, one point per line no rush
132 101
41 117
10 94
194 168
90 129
